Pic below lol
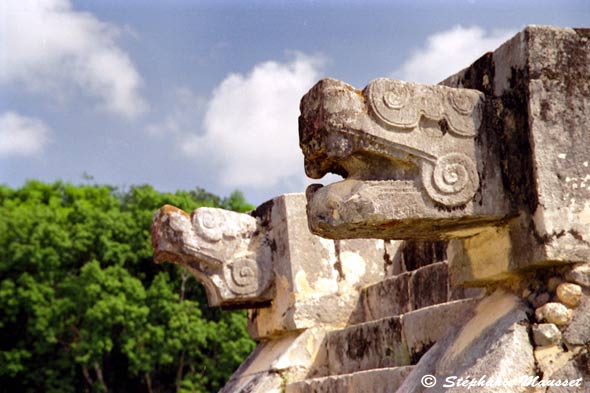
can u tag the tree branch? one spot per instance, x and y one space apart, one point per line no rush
99 375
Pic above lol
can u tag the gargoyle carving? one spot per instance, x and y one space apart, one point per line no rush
412 144
221 248
271 262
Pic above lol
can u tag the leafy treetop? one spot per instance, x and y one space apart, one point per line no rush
84 308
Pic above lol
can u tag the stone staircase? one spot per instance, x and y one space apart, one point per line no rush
397 320
379 380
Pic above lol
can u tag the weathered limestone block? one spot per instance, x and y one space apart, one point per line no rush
385 298
481 258
275 363
424 327
493 341
270 263
414 254
222 249
575 370
423 287
551 358
504 172
410 157
366 346
538 86
578 330
317 281
429 286
381 380
392 341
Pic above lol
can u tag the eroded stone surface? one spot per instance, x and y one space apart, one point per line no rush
388 342
546 334
530 156
366 346
481 258
580 274
576 370
551 358
317 281
396 141
222 249
425 286
424 327
493 341
271 263
553 312
429 286
274 364
542 100
386 298
569 294
578 330
383 380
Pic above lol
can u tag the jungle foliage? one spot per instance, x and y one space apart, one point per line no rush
83 307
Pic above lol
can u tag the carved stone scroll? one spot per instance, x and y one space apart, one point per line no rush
222 249
411 156
402 105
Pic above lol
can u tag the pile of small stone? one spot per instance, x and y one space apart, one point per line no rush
562 313
565 296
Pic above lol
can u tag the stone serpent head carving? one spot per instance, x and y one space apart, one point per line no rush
220 248
270 262
411 157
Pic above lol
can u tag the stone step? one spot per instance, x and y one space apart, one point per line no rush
423 287
387 342
381 380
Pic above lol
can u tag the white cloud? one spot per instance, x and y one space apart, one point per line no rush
250 126
51 49
448 52
20 135
184 116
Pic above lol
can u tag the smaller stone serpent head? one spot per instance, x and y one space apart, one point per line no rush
220 248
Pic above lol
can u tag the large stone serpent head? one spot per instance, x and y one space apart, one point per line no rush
411 156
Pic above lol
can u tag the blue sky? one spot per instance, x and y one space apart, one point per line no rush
183 94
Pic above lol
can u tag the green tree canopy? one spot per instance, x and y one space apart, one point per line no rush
83 307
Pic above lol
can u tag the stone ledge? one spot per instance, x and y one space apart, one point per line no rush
382 380
406 292
388 342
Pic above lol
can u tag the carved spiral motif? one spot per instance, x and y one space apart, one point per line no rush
391 102
210 221
242 276
397 97
453 181
209 224
462 102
